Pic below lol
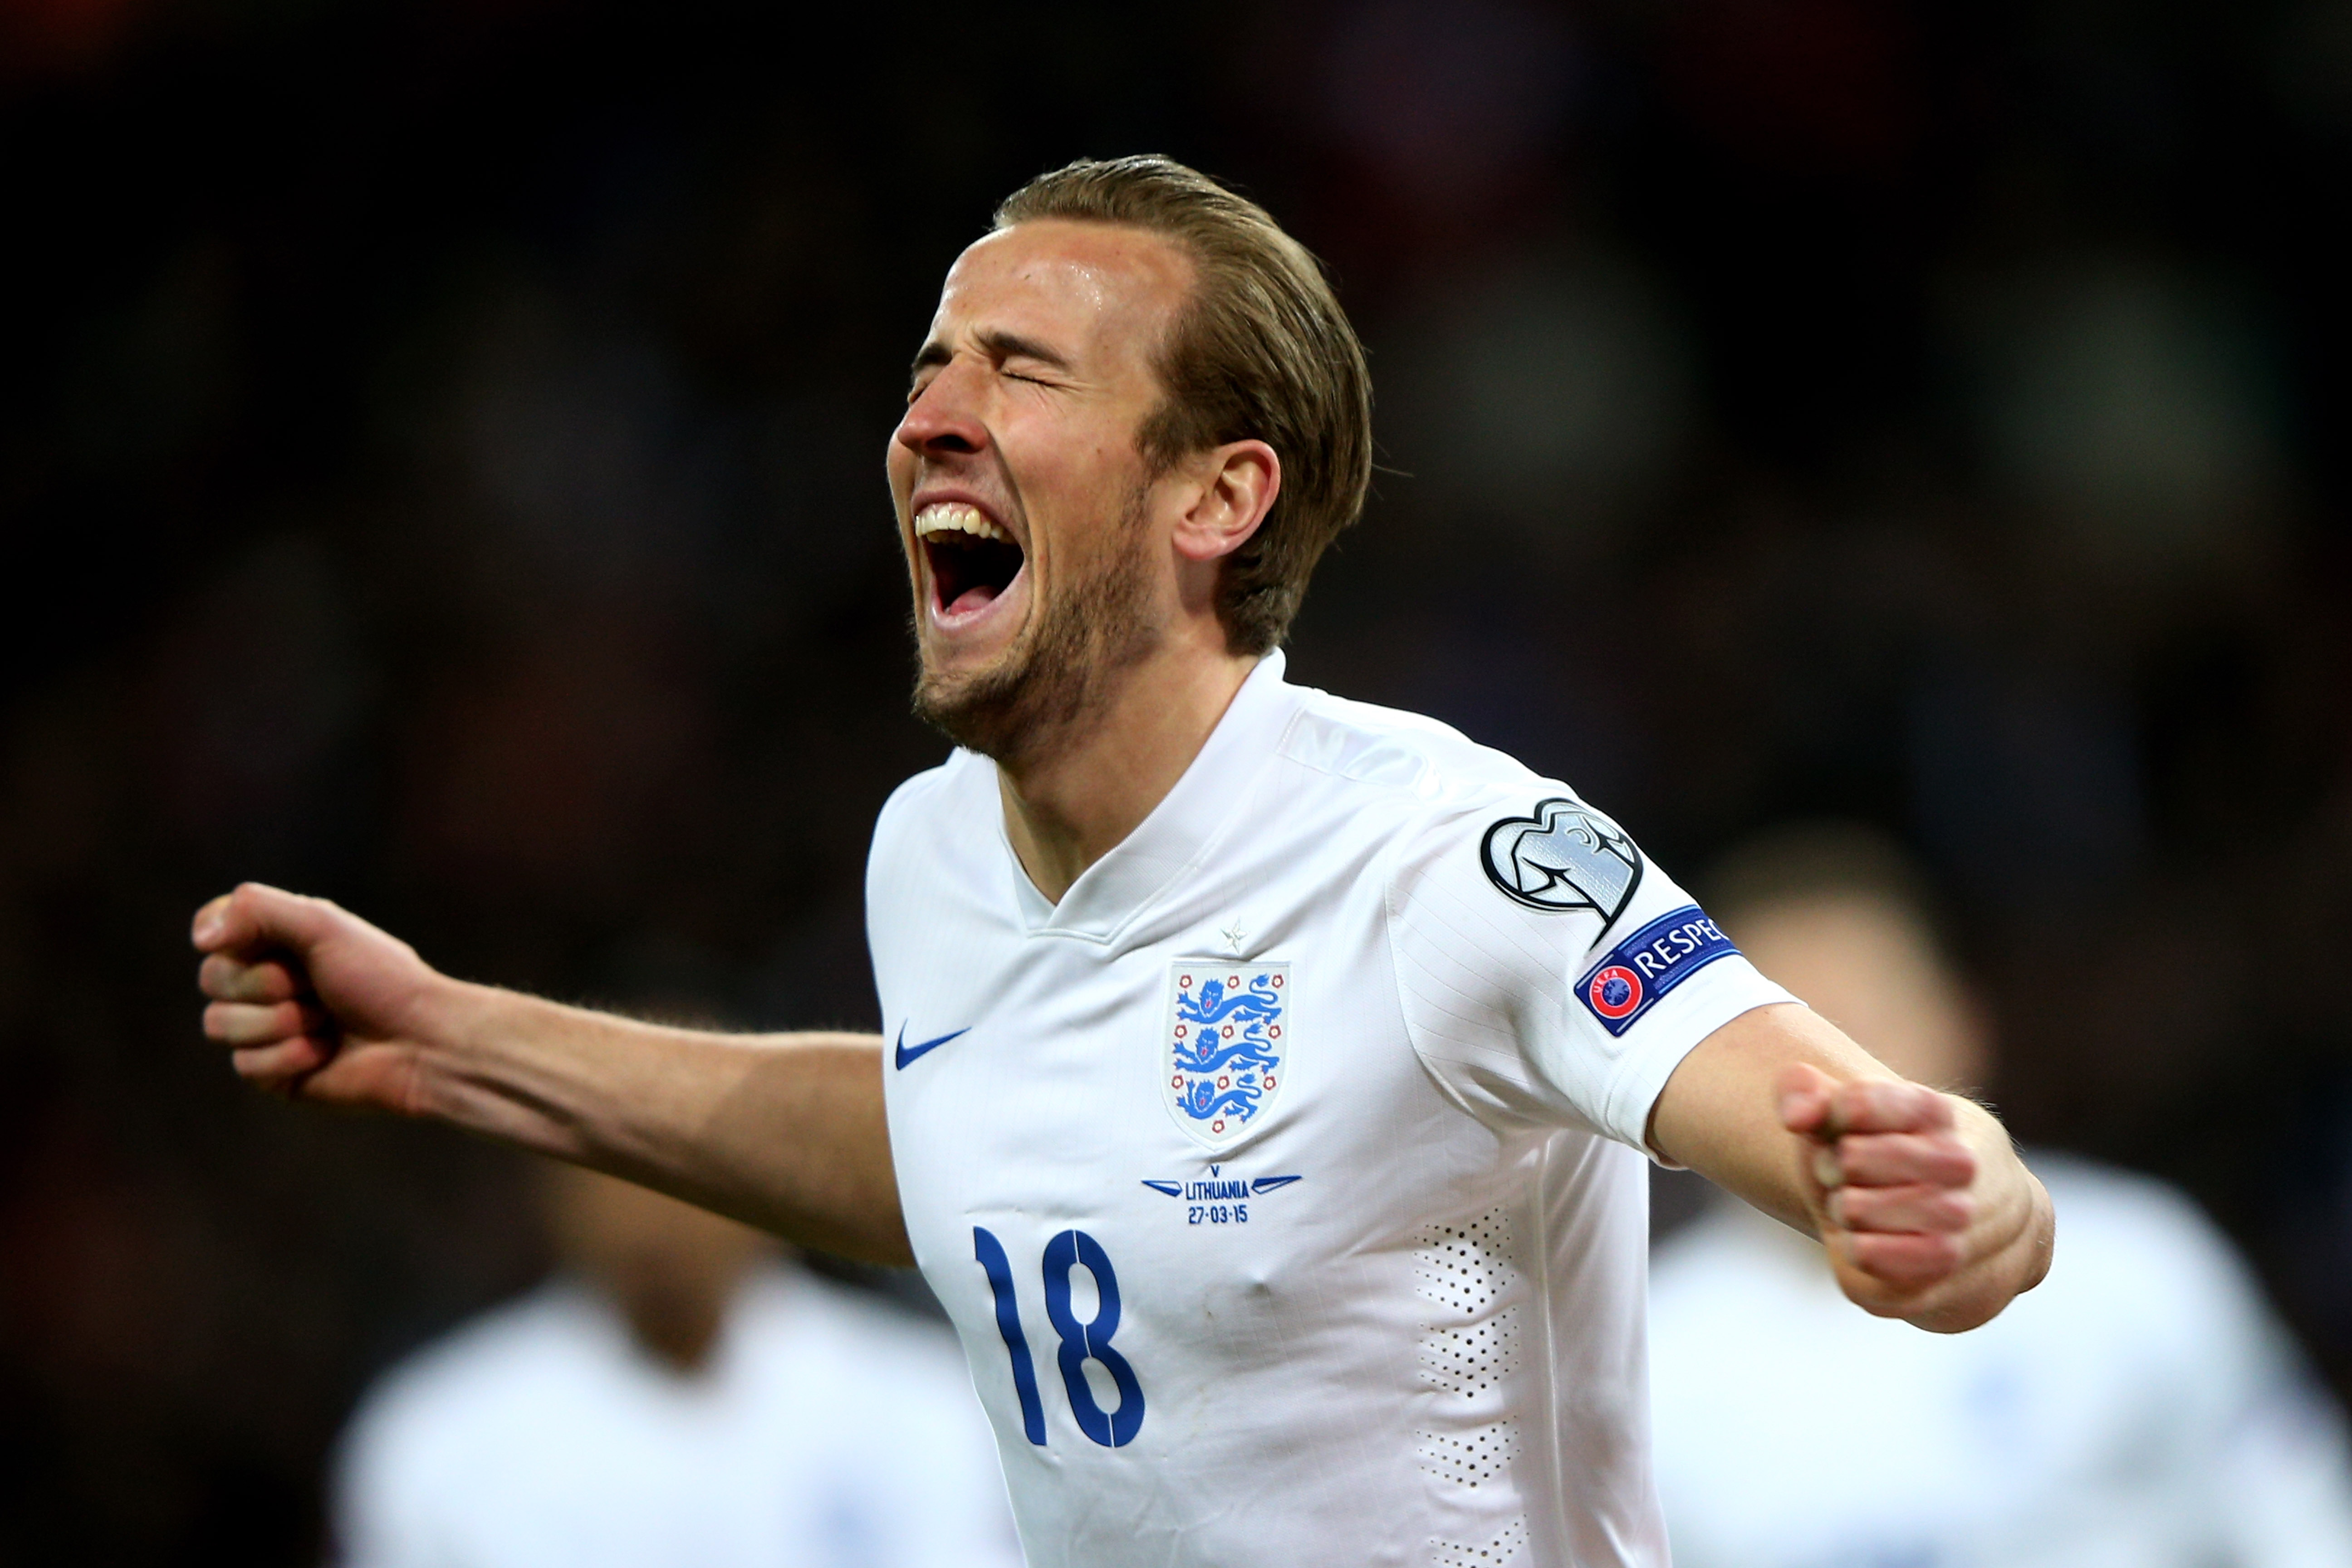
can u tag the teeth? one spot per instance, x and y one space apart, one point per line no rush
956 517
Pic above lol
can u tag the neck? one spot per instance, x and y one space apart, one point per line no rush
1068 804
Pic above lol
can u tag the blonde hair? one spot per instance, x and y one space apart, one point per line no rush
1260 351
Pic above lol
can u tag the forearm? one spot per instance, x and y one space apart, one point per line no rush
785 1132
1718 1114
1941 1228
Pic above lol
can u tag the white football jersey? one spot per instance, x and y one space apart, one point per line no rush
827 1431
2140 1408
1283 1179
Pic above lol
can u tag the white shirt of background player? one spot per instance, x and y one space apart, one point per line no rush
2061 1435
675 1394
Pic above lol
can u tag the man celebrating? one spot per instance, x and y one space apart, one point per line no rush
1266 1074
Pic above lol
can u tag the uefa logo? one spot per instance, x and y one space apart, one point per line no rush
1615 992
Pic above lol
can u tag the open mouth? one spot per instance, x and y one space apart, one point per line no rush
972 559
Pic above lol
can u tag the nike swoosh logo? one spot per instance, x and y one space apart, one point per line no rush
906 1056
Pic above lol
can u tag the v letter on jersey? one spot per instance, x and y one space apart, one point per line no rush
1566 856
1225 1037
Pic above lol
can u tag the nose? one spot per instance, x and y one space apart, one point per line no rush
945 419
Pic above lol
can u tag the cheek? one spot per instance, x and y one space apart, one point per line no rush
1078 498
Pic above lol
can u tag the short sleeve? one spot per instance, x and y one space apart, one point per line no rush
1548 971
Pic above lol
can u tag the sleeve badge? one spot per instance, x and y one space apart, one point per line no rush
1563 856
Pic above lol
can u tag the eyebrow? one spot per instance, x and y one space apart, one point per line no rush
999 346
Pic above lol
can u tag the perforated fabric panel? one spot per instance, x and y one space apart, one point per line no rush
1472 1457
1469 1347
1503 1550
1465 1270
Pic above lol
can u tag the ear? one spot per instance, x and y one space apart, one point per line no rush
1238 484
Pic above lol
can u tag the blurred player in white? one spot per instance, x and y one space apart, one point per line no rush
2141 1409
679 1393
1267 1077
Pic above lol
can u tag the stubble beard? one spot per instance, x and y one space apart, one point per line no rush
1064 671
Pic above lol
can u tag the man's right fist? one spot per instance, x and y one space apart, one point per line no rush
312 1002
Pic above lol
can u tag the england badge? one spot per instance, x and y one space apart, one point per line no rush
1224 1041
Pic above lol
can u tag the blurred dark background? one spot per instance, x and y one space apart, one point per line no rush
441 469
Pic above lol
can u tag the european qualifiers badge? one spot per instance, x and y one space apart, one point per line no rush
1225 1038
1565 856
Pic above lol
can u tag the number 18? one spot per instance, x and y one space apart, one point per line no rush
1081 1343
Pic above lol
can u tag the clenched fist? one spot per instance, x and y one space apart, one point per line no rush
313 1002
1901 1197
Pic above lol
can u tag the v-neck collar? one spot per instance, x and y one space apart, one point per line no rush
1109 892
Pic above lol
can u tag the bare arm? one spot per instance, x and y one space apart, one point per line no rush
785 1132
1925 1210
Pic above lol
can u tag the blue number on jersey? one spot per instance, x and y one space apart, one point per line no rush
991 1253
1081 1342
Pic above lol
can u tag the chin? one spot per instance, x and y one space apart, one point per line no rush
993 710
1068 656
